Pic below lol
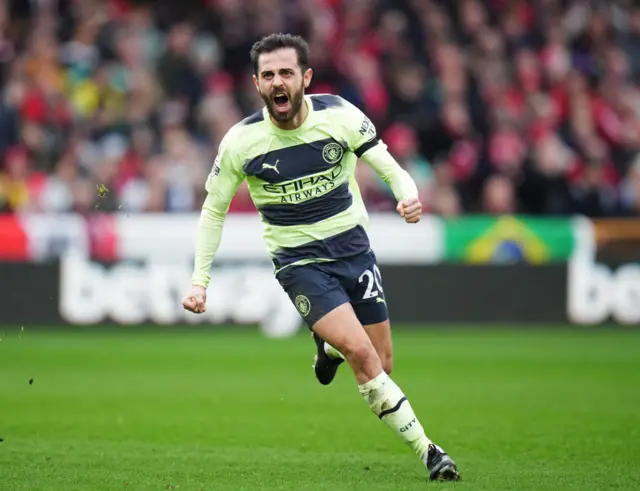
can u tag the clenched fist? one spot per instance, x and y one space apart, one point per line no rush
410 209
195 301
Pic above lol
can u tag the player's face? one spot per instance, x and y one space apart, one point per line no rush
281 83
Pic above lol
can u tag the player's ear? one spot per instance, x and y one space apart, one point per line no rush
255 82
308 74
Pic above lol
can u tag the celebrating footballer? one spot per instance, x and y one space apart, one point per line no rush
298 156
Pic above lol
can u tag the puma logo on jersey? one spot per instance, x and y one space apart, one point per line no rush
274 167
380 300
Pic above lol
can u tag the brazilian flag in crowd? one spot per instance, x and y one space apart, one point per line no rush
508 239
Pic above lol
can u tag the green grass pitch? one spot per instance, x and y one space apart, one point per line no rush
227 409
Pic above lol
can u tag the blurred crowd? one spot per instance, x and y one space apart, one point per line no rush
494 106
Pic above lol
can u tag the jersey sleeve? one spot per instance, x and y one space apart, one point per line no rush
364 142
225 176
222 183
360 131
398 179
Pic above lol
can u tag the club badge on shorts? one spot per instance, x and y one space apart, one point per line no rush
303 305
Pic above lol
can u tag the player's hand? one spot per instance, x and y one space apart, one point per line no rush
410 209
195 301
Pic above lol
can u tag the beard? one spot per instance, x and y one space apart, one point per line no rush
294 103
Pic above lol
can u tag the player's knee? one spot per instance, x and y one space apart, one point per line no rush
360 353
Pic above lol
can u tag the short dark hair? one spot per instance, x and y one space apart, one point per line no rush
276 41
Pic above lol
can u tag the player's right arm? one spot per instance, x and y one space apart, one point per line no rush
221 186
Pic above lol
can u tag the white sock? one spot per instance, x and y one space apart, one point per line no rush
389 403
332 352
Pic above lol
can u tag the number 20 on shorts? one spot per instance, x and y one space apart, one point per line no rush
372 276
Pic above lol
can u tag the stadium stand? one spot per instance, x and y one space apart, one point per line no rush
494 106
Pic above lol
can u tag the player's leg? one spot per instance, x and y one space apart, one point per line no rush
367 297
315 292
370 305
380 335
440 465
328 358
341 329
368 300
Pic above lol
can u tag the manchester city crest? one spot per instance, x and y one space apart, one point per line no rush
303 305
332 153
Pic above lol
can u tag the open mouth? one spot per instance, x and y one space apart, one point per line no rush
281 101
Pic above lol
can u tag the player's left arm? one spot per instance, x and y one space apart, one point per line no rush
369 147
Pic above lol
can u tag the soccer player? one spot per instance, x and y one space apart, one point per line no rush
298 155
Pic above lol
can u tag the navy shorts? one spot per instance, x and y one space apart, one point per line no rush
316 289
